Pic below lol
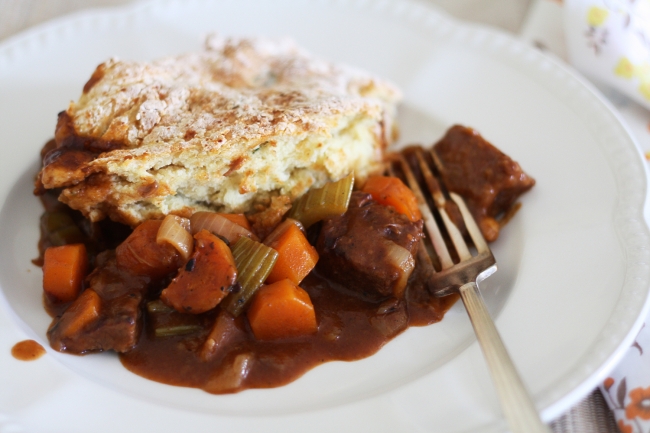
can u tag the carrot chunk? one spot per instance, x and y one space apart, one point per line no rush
64 269
238 218
206 278
83 311
281 310
391 191
296 257
142 255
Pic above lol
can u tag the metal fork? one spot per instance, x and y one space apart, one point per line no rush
464 277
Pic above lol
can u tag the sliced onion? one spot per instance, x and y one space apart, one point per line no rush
220 226
281 228
254 264
223 331
229 377
402 259
172 231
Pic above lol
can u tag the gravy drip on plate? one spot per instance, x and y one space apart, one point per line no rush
27 350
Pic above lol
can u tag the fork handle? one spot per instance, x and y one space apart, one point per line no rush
516 403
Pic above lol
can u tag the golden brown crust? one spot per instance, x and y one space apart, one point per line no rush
215 130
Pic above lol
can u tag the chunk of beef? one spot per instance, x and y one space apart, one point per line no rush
489 181
361 248
115 320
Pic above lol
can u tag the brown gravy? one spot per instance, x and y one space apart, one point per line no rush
27 350
349 329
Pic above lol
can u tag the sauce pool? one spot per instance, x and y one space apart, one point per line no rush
27 350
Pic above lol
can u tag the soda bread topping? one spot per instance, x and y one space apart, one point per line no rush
224 129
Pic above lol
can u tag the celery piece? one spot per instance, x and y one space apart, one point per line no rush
170 331
60 229
66 236
254 263
53 221
158 306
167 322
321 203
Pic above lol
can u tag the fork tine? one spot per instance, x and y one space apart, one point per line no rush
439 199
456 236
472 228
430 180
474 232
437 240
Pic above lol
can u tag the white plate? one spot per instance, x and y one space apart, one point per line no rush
573 281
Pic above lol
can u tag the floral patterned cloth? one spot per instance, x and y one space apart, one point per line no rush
608 41
627 389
